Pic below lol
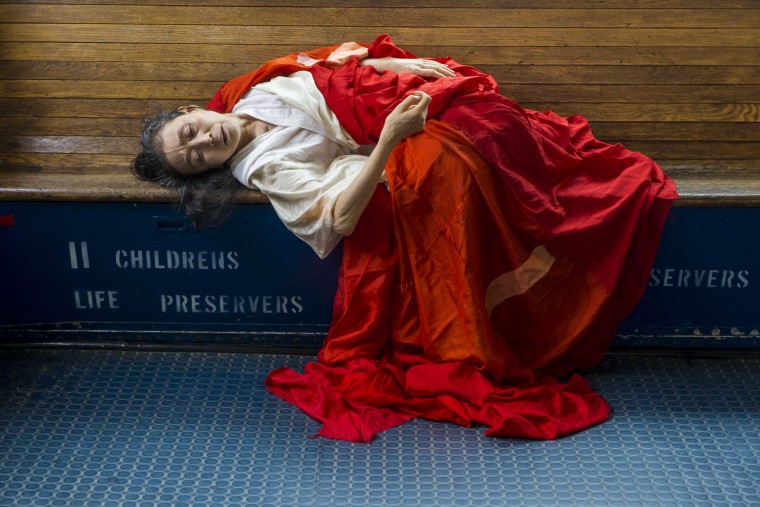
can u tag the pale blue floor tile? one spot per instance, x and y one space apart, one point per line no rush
93 428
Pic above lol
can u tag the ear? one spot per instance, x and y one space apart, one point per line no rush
188 109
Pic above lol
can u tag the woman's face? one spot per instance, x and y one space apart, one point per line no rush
199 140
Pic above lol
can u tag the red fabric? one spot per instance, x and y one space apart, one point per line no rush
413 339
231 91
602 206
472 198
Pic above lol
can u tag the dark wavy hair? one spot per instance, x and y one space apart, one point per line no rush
206 198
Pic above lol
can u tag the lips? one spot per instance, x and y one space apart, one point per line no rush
224 135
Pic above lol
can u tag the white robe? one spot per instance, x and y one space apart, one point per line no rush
304 163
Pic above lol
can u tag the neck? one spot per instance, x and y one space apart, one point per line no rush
248 133
251 129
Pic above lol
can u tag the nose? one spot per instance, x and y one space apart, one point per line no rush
203 140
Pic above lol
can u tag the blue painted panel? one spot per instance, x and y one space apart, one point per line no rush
140 267
703 288
137 271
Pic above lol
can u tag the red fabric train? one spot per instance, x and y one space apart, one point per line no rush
510 247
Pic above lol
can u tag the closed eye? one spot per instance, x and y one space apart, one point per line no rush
189 132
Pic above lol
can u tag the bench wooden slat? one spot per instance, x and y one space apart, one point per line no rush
94 186
118 164
407 16
513 4
507 75
609 131
727 191
200 91
711 166
655 112
105 127
69 144
677 131
663 150
633 94
250 54
321 36
659 150
730 190
69 162
85 108
642 75
127 108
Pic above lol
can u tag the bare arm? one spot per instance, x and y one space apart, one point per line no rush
406 119
418 66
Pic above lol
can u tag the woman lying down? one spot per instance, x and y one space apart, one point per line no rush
488 250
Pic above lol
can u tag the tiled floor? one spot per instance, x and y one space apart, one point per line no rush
81 428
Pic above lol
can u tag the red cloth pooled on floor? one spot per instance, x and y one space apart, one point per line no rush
511 246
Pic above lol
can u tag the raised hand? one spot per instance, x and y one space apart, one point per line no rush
407 118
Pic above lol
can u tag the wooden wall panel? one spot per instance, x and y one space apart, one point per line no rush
677 79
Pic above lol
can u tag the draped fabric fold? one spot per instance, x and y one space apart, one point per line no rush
510 247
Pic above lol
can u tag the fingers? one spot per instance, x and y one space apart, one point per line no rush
424 99
423 68
431 68
408 117
416 100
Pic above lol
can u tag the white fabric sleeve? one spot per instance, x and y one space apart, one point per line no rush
299 91
305 200
304 163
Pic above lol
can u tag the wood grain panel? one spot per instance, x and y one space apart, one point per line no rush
433 4
655 112
133 71
323 36
533 74
79 145
607 131
676 79
704 131
99 127
94 186
124 108
254 54
630 94
663 150
707 168
74 161
731 190
378 16
200 91
69 144
74 89
85 108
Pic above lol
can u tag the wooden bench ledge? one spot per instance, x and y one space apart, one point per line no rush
23 185
729 188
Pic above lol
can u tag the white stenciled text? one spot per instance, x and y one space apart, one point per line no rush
96 299
699 278
177 259
225 303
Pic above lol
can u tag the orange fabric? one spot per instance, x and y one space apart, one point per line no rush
474 198
452 244
332 56
600 206
416 341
